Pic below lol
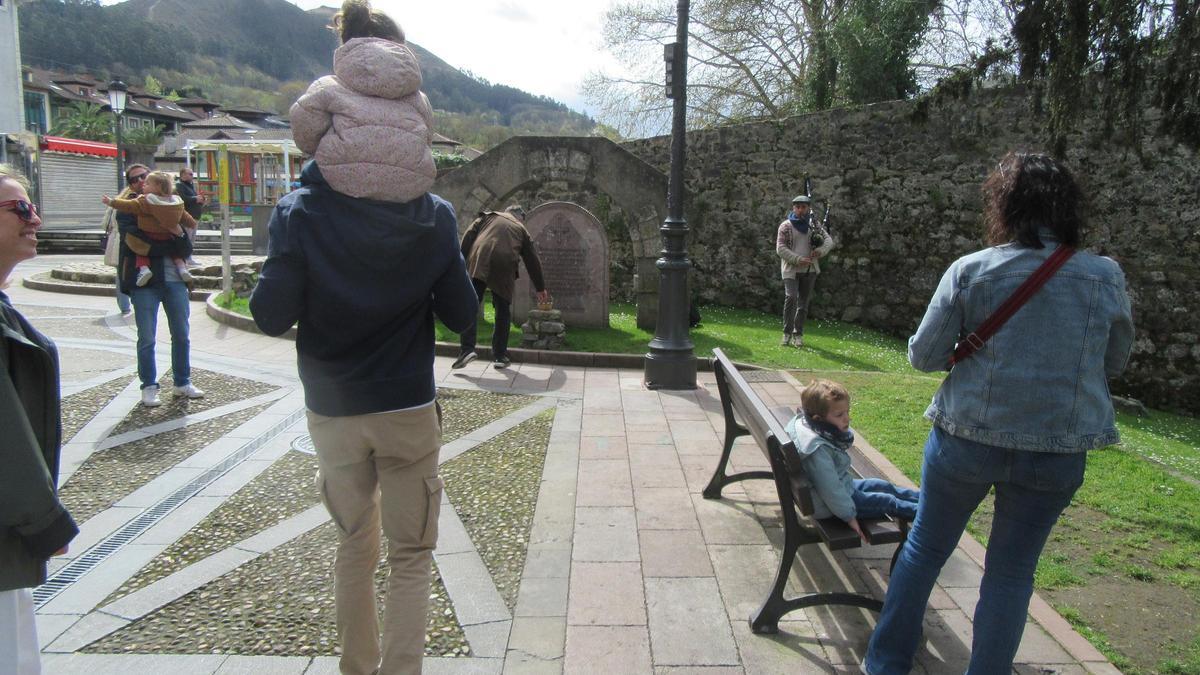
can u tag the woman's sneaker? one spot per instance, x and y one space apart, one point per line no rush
189 390
144 276
150 397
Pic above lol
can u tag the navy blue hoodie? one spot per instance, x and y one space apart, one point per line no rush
364 279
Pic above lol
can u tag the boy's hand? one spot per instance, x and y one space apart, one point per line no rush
105 199
853 523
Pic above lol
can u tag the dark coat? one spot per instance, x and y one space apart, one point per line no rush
33 523
364 279
191 199
492 246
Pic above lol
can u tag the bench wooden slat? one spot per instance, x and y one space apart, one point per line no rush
747 414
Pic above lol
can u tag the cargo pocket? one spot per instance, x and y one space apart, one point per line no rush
433 490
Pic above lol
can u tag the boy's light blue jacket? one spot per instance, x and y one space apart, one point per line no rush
1040 383
828 469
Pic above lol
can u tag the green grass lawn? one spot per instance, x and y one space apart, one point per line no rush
1123 565
750 337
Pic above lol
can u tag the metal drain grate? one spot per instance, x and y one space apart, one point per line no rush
762 375
89 559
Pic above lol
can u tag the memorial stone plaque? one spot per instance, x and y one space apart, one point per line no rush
574 252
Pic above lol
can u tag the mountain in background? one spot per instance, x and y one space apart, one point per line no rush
253 52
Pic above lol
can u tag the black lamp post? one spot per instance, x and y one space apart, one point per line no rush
116 101
671 364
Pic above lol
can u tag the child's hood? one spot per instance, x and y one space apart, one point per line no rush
165 210
170 200
377 67
807 441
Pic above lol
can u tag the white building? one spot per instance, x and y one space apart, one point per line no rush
11 106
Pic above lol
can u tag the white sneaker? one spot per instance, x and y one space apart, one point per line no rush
150 397
787 340
798 341
189 390
144 276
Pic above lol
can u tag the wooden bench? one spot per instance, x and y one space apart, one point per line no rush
746 414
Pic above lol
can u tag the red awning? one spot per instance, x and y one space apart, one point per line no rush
60 144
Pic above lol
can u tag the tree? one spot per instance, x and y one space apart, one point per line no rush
86 122
759 58
153 86
1131 48
149 136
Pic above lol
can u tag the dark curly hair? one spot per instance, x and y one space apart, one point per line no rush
358 20
1028 191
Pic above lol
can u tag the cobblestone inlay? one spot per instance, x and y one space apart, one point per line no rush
79 409
283 490
278 604
286 488
218 389
108 476
465 410
494 489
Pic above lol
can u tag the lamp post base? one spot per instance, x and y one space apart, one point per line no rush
670 368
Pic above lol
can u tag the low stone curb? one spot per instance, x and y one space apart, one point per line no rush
45 282
517 354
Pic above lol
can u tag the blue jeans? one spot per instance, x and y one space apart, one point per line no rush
173 295
122 299
1032 490
875 498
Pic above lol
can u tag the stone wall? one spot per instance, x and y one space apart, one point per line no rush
903 179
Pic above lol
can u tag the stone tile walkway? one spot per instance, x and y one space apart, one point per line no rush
628 569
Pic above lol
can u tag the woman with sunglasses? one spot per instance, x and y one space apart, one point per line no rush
165 288
33 523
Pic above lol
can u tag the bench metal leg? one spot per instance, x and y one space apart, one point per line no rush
719 480
766 620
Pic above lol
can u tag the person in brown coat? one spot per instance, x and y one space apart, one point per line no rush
160 217
491 247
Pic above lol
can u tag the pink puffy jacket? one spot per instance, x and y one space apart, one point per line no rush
368 125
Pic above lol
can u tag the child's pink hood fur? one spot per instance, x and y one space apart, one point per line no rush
368 125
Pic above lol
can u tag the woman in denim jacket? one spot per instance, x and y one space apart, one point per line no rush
1019 415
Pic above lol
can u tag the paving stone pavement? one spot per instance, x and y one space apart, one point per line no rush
628 569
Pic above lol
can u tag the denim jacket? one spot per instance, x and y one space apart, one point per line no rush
1040 383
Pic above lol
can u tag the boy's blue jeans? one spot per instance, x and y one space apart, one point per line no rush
875 498
1032 490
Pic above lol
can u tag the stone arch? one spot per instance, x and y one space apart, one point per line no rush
526 162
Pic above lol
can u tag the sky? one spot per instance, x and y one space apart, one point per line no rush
544 47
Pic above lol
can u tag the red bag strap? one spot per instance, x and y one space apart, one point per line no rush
973 342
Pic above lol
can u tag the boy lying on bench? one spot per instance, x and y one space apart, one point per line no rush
822 434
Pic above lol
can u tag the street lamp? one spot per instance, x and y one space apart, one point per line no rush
116 101
671 364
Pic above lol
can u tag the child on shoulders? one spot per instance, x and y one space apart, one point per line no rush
822 435
159 214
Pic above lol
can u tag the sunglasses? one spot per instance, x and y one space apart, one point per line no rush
24 210
138 178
